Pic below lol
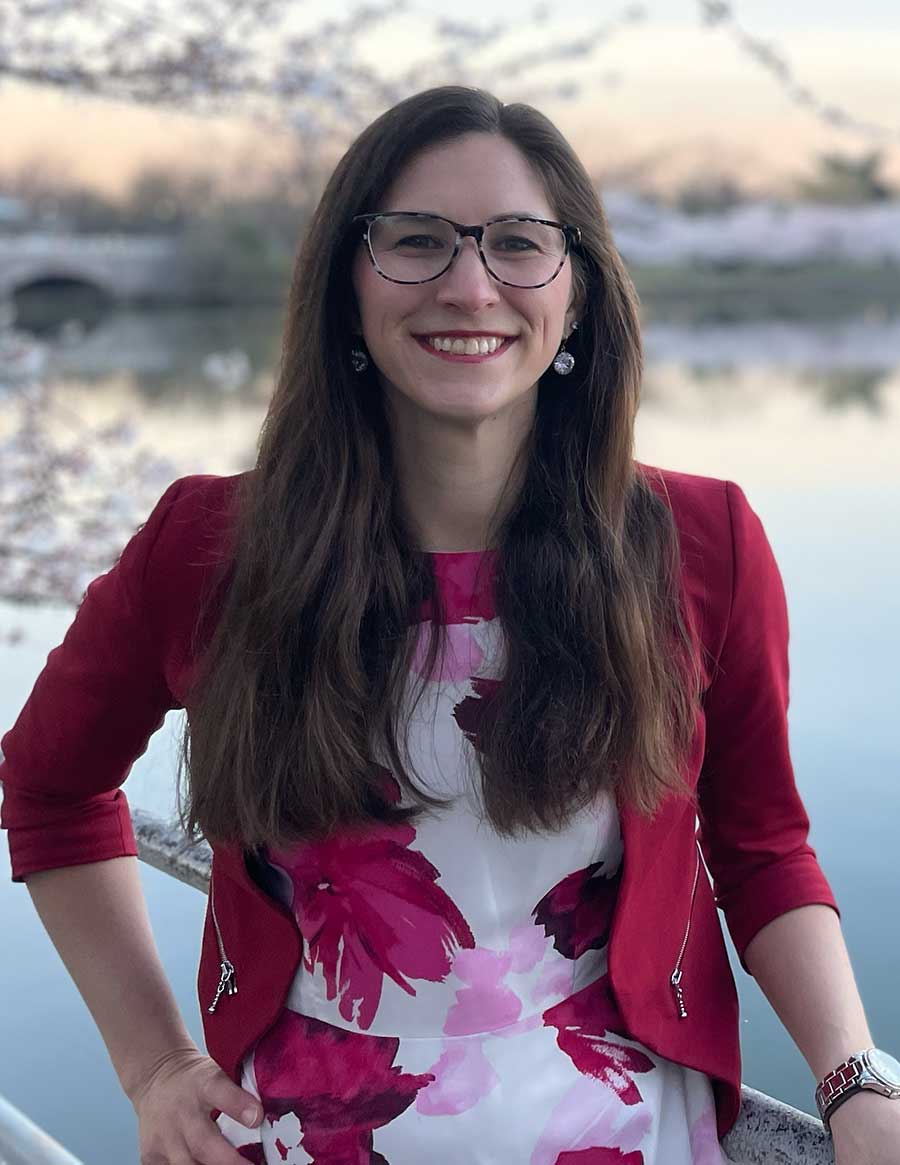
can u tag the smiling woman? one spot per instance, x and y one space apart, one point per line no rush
462 677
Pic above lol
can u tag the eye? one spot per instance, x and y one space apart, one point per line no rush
514 243
420 243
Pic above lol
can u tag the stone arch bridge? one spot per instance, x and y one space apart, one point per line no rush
124 267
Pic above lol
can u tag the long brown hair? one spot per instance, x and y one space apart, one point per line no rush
305 671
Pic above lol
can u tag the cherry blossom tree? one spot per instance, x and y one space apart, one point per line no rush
257 58
71 495
63 512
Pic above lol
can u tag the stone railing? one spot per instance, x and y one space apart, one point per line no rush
23 1143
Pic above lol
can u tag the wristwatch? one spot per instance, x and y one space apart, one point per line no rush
872 1069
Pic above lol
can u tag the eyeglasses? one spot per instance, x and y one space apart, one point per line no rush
518 251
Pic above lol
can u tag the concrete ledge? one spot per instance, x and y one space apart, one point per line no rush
767 1132
163 846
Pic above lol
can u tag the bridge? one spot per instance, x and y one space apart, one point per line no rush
124 268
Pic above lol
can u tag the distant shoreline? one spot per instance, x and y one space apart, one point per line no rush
700 291
823 289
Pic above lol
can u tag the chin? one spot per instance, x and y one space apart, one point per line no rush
459 397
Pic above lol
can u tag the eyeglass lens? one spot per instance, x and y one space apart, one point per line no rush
412 249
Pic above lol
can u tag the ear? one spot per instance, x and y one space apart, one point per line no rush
575 310
354 323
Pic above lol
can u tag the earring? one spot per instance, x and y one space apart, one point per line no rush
563 361
358 359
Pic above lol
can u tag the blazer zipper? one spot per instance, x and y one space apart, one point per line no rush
227 976
677 974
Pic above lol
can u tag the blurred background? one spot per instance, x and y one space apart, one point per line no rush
158 162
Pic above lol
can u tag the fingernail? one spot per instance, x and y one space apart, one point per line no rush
251 1116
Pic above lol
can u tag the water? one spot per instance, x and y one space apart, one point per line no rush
806 420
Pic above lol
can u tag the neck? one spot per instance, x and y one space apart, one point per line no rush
458 478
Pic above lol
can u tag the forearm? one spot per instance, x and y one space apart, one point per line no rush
97 919
801 963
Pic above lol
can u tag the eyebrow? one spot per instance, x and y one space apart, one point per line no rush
500 214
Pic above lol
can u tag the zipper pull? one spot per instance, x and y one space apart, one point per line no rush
676 976
227 984
679 993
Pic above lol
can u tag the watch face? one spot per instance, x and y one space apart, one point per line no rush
885 1066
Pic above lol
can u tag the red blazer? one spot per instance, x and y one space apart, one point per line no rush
127 658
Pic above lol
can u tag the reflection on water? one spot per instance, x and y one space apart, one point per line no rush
862 386
767 429
164 351
196 384
867 340
165 348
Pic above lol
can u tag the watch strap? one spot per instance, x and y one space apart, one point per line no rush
839 1085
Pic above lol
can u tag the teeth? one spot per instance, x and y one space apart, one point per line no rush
473 346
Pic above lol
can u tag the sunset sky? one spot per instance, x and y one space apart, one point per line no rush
683 92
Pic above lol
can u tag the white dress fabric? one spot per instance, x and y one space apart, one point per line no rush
452 1003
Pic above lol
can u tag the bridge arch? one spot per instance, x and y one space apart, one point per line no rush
54 279
46 299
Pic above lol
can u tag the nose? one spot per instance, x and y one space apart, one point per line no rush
467 284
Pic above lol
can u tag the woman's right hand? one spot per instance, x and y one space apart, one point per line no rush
174 1104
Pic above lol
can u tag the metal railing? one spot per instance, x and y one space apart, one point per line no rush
767 1132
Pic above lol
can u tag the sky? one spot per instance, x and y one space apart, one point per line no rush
667 89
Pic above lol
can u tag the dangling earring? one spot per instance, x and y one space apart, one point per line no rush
563 361
358 358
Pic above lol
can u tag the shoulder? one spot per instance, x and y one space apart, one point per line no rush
710 513
199 501
722 544
694 499
192 523
188 550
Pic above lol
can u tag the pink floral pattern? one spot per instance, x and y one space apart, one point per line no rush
464 655
469 712
341 1085
590 1117
577 912
600 1157
368 906
463 1076
705 1149
582 1022
466 580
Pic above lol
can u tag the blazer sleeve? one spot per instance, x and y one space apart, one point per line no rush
94 706
753 825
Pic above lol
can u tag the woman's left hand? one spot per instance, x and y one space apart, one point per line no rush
865 1130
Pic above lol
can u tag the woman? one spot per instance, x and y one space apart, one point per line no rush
450 917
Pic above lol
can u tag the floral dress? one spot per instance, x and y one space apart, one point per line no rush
452 1003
